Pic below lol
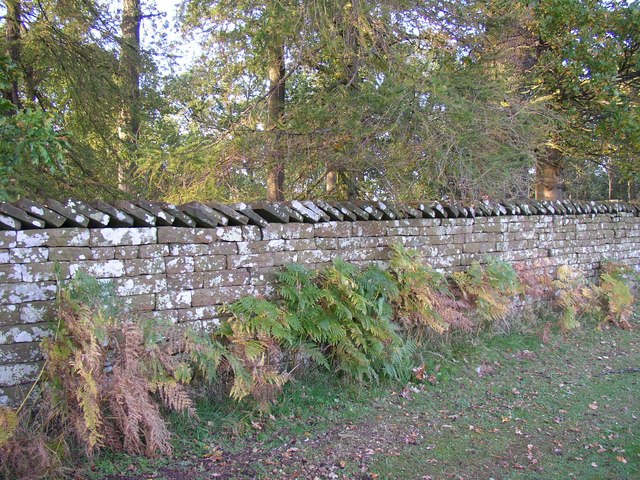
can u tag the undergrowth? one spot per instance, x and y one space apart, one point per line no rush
109 380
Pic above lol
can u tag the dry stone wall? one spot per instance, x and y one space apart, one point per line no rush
185 274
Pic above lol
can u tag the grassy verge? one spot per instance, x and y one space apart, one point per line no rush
507 407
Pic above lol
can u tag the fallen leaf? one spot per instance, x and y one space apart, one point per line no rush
593 406
620 458
506 419
418 372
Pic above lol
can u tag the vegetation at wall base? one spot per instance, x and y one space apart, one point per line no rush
109 381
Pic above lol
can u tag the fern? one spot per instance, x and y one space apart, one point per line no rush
617 296
424 300
574 297
491 289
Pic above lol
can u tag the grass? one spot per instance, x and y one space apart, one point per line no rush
508 406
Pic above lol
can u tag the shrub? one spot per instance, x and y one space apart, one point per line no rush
491 289
617 298
424 299
574 297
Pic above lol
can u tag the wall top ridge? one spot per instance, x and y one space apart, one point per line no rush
26 214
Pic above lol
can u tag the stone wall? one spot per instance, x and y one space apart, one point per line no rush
186 274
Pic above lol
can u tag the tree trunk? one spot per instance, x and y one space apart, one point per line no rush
332 181
548 176
130 66
349 34
12 34
275 175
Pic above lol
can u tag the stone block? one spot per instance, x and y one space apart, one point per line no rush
205 235
139 303
99 268
18 373
263 246
220 295
28 254
33 332
130 251
45 272
27 292
229 234
280 258
8 239
142 285
56 237
369 229
9 315
174 300
11 272
20 353
328 243
263 276
333 229
251 233
153 251
69 254
115 237
198 313
179 264
176 235
144 266
12 396
101 253
224 278
300 244
222 248
185 281
253 260
188 249
296 230
207 263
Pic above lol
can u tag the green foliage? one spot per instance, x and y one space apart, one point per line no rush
615 288
28 138
491 289
574 297
425 299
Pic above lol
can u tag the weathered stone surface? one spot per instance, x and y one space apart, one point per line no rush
25 221
271 212
309 215
163 217
176 235
225 278
51 218
344 211
67 254
128 251
9 223
180 264
9 314
173 300
144 284
96 218
204 216
108 237
359 213
118 218
99 268
254 218
20 353
262 246
19 373
371 209
185 281
180 219
333 229
331 212
294 216
152 251
141 218
28 255
11 272
235 217
74 218
144 266
24 333
139 303
101 253
220 295
230 234
45 271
